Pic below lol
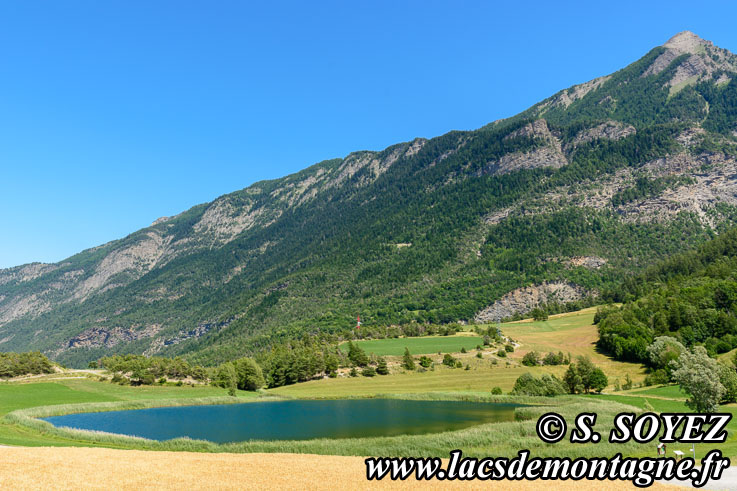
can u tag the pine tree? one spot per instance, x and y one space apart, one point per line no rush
407 361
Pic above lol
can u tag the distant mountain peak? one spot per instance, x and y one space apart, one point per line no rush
687 42
702 60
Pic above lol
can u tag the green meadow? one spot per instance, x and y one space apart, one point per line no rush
417 346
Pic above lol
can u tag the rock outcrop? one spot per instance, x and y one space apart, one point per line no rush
523 300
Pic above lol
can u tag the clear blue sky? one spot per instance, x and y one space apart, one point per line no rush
115 113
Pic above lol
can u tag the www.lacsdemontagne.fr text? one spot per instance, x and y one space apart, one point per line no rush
552 427
642 472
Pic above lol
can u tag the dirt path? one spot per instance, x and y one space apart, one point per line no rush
100 468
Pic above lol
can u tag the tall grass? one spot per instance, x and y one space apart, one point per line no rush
495 439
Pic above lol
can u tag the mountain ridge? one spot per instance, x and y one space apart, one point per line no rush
422 231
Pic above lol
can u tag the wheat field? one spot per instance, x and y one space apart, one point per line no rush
102 468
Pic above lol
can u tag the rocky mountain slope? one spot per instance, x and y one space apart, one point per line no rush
588 185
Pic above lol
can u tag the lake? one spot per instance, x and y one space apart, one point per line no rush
292 420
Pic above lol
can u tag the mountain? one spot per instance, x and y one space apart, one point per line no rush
554 205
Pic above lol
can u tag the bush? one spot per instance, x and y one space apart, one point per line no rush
496 391
353 372
368 372
425 361
539 314
531 359
547 385
509 348
554 359
657 377
479 355
463 350
449 361
162 380
501 353
381 367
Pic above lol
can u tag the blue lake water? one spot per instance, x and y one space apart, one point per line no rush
292 420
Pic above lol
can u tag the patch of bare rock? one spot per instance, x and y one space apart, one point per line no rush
523 300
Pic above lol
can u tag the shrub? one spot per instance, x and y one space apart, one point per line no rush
501 353
627 385
425 361
531 359
463 350
554 359
509 348
162 380
657 377
368 372
353 372
547 385
381 367
479 355
497 391
539 314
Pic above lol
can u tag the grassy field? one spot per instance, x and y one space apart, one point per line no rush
418 346
41 392
482 377
573 333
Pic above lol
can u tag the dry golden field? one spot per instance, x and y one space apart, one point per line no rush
101 468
